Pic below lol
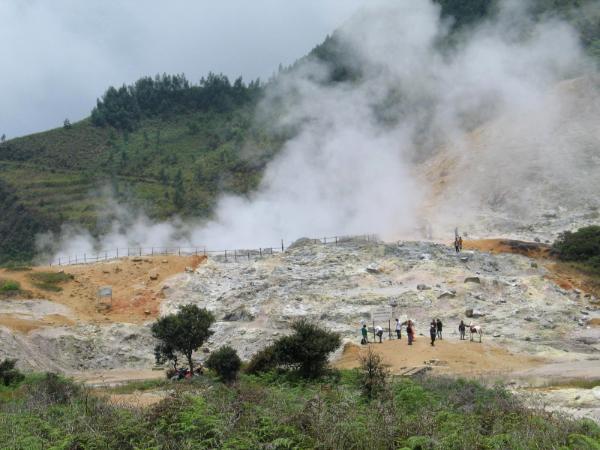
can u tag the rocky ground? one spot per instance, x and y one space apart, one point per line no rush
528 321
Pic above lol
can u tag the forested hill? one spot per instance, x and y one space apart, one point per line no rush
169 146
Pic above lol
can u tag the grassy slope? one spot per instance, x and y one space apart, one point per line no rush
278 412
62 175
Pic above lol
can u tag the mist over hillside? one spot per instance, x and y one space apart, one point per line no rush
413 115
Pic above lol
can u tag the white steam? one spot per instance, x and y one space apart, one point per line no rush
427 134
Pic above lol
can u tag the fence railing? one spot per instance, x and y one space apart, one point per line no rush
233 255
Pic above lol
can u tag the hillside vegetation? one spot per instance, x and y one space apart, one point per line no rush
168 146
281 412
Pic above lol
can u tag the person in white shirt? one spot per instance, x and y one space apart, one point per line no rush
398 329
379 332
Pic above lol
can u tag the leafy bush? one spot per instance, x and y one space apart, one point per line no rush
9 286
263 361
374 374
306 350
582 246
50 281
225 362
53 389
9 374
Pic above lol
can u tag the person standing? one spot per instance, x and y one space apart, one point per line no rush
410 332
438 325
462 329
365 336
433 332
460 243
398 329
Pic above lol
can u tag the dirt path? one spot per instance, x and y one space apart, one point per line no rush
116 377
446 357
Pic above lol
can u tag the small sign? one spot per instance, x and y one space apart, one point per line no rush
105 291
381 315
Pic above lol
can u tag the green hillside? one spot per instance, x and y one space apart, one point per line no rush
169 146
171 161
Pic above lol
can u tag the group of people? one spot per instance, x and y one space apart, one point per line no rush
458 243
435 331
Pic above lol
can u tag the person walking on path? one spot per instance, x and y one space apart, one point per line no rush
438 325
398 329
462 329
410 332
365 335
433 332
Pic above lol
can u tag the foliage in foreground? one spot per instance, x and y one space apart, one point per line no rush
225 362
9 374
306 351
280 412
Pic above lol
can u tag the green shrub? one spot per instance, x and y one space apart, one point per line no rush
9 286
582 246
306 350
263 361
49 281
225 362
53 389
9 374
373 373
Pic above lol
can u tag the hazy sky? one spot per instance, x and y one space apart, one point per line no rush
58 56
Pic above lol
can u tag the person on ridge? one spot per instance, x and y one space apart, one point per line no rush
398 329
432 332
438 325
462 329
410 332
365 336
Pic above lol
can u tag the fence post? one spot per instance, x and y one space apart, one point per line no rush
59 261
179 251
336 240
152 251
84 258
75 259
196 251
282 245
105 256
325 240
248 256
225 255
260 251
235 255
204 251
140 251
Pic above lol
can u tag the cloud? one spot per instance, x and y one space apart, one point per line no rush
60 55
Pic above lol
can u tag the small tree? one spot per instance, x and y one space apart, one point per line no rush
225 362
9 374
67 124
183 332
373 373
306 350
